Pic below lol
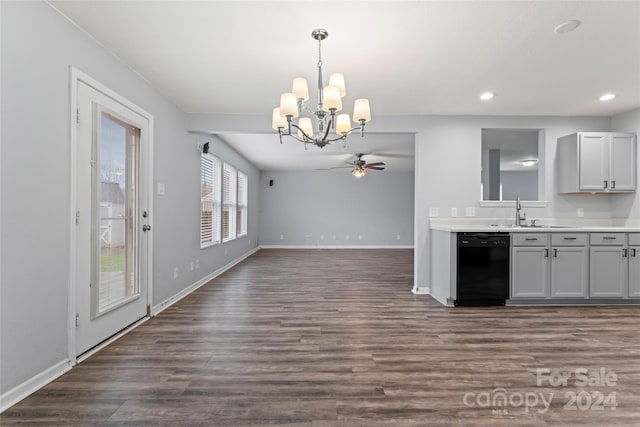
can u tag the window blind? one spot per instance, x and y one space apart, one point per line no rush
209 200
241 221
229 194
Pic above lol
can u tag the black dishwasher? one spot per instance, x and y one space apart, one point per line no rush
483 269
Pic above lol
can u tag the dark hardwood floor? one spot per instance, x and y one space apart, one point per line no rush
335 338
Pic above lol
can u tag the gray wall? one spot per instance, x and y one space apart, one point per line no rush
627 205
38 46
523 184
332 208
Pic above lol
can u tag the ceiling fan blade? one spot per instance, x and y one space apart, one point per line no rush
336 167
375 168
376 164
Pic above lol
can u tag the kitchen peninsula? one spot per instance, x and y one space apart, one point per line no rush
551 263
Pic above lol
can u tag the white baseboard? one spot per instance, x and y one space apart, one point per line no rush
424 290
33 384
186 291
336 247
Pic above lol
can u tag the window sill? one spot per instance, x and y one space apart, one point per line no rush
512 203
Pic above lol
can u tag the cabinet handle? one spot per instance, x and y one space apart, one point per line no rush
546 253
609 238
555 253
624 253
613 185
633 252
569 238
605 184
531 238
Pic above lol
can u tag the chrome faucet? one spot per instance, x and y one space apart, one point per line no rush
519 216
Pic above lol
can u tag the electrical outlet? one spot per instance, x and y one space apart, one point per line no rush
347 237
470 211
175 272
434 212
360 237
454 212
282 237
398 237
192 265
197 263
580 212
322 237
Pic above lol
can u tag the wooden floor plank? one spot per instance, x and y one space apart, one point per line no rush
322 338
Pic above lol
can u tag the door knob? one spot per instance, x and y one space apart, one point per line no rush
146 227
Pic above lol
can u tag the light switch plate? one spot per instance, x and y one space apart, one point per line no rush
454 212
434 212
580 212
160 189
470 211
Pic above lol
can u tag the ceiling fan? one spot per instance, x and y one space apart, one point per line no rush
360 166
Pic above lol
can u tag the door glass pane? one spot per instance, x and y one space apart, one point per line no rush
114 256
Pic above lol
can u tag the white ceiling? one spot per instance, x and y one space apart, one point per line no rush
415 57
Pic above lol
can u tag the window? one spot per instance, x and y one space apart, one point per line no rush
229 194
209 200
241 222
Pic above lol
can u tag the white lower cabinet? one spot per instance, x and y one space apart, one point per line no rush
569 272
609 266
529 272
545 265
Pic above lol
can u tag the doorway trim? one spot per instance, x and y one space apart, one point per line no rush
75 77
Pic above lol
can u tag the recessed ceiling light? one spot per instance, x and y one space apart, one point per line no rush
487 96
607 97
567 27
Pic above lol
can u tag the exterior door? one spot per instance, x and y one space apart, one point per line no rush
112 227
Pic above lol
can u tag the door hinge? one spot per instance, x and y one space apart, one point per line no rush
77 320
77 217
77 115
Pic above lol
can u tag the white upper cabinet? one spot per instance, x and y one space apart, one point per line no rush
597 162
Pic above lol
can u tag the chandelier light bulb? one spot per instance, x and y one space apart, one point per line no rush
361 110
277 121
343 124
300 88
288 105
332 98
305 126
337 80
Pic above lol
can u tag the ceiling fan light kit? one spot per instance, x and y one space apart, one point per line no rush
292 105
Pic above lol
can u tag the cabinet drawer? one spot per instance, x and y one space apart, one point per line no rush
614 239
529 239
568 239
634 239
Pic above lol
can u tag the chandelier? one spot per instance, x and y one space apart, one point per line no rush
292 105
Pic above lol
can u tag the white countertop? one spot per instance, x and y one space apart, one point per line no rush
547 226
461 228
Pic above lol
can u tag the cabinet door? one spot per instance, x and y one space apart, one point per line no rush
634 272
594 161
622 164
569 272
608 272
529 272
